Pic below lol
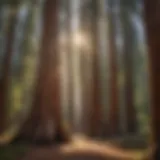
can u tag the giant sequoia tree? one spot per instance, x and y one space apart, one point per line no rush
45 122
152 13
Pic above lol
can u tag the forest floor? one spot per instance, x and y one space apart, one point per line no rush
82 148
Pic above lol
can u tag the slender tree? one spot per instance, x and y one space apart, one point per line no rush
128 49
86 68
70 76
96 102
152 13
6 68
114 99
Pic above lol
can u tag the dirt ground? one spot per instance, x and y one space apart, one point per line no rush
80 149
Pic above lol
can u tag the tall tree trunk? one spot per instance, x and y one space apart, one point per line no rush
113 84
6 68
86 65
75 55
128 35
45 122
96 102
70 75
152 13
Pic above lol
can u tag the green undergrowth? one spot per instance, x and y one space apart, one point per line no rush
12 151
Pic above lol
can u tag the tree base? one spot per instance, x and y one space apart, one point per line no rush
41 140
42 135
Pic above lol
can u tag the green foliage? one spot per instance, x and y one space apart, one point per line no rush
12 152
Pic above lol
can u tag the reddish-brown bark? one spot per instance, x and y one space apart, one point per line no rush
113 83
152 13
96 108
45 122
